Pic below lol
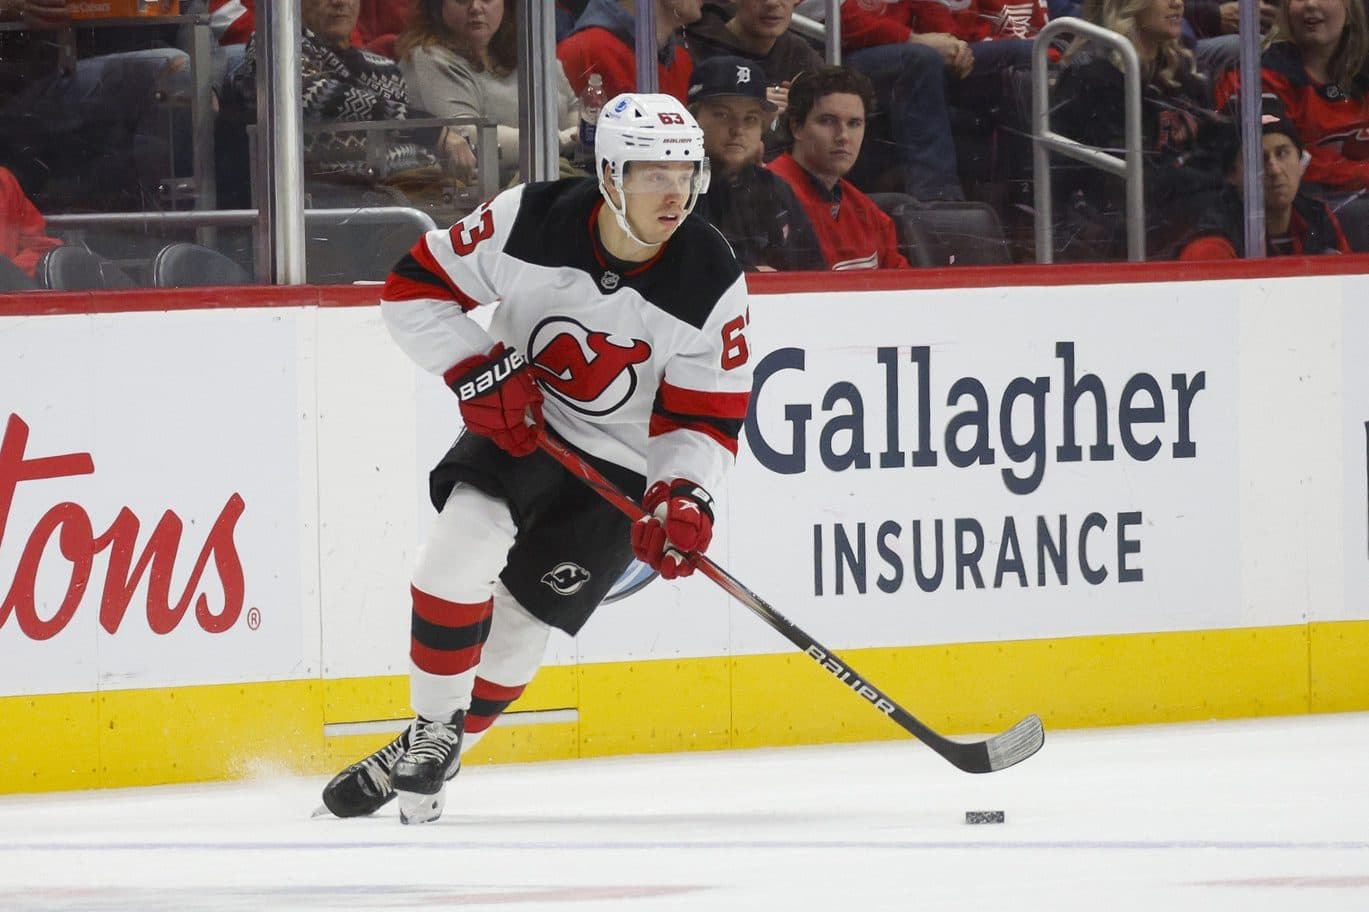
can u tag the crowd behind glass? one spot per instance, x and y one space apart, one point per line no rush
915 153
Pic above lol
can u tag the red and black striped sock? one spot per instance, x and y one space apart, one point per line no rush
488 702
447 636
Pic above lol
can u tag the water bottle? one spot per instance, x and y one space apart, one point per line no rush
591 103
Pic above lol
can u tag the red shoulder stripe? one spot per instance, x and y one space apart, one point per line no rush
400 287
419 275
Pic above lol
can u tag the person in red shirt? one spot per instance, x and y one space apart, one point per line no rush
23 234
907 50
603 42
1295 224
1317 63
826 117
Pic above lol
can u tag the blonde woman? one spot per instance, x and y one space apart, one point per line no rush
1174 106
1316 62
459 57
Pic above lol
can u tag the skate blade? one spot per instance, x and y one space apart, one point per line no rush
416 808
321 811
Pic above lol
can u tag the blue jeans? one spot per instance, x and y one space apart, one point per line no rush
983 89
910 84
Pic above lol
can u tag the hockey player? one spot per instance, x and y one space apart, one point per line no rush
618 326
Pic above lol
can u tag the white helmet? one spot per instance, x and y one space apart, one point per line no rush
657 128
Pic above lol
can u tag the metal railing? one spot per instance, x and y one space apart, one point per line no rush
236 218
829 32
486 143
239 218
1045 141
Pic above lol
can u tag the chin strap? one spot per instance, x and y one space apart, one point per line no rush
621 215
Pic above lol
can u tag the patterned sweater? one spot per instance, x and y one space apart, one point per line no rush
344 85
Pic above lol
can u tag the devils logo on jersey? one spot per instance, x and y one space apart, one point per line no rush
1353 143
590 371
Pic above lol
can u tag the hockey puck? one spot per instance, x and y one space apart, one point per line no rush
985 817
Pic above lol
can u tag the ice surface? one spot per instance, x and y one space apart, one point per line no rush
1255 815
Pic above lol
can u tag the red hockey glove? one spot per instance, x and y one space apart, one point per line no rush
499 398
678 526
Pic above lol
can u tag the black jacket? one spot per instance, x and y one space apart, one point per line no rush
1314 230
761 218
1180 175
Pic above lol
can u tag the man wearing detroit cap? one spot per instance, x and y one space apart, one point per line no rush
755 210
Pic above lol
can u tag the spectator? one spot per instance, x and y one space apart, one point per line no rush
826 117
1215 28
907 50
1295 224
103 137
603 42
460 57
23 234
758 31
754 209
1317 63
999 32
343 82
999 35
1179 175
378 22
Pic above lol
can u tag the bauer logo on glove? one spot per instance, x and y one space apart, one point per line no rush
499 398
490 375
678 527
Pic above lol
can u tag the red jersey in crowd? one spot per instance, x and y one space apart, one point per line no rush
603 42
1333 124
853 232
869 23
985 20
23 237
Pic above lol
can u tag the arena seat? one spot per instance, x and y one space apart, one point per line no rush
911 242
73 268
961 234
185 265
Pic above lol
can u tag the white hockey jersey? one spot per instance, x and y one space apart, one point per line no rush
643 364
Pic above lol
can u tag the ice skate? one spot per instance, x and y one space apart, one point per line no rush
421 773
364 787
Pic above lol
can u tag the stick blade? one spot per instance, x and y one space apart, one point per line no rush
1016 744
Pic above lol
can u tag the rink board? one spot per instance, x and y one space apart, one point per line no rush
204 546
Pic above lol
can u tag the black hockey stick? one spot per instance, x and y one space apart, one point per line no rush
999 752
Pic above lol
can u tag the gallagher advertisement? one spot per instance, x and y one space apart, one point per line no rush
990 464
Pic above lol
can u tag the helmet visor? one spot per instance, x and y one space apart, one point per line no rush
687 179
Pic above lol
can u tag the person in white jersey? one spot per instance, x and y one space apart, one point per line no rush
619 326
